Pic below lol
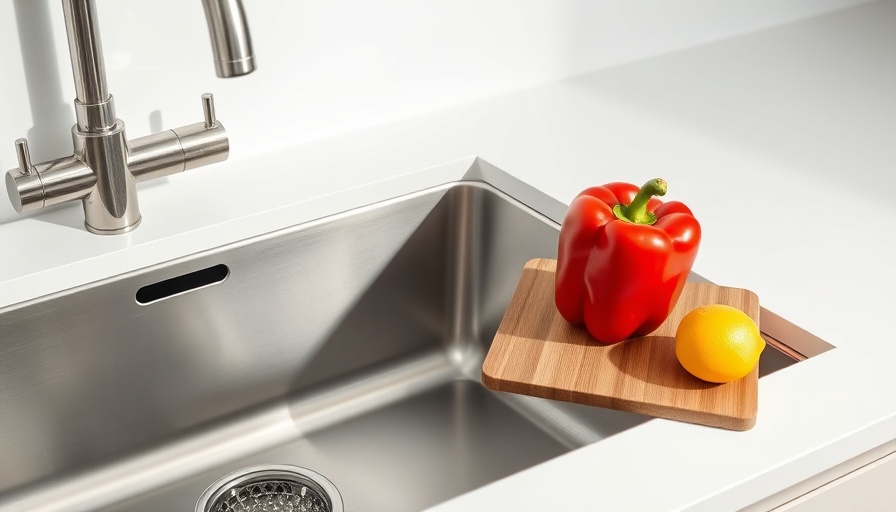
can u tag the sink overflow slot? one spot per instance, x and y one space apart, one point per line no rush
182 284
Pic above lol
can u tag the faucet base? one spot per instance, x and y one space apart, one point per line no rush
111 206
116 231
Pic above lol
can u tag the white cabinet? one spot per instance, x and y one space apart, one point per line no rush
866 483
871 488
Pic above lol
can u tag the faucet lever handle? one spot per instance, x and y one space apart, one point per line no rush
208 109
24 156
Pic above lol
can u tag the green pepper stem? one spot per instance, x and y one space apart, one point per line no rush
636 212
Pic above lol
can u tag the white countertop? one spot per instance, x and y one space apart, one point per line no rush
783 143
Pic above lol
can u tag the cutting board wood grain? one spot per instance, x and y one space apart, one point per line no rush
536 352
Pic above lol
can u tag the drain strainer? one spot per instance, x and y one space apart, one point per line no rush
271 488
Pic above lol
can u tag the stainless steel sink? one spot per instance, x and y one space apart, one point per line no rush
351 345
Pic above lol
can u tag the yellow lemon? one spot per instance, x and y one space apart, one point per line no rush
718 343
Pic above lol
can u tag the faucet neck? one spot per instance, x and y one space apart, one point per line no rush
94 109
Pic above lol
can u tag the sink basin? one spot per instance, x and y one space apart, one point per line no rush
351 345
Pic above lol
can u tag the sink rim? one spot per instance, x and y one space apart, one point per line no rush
799 343
475 176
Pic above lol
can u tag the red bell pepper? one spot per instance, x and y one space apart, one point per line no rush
623 259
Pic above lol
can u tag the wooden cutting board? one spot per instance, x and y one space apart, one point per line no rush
536 352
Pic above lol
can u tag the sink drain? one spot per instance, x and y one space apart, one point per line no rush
271 488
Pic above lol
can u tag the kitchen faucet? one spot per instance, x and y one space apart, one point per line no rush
105 166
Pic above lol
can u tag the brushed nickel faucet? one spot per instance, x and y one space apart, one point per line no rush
105 167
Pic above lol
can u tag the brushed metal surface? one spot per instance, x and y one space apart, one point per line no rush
351 345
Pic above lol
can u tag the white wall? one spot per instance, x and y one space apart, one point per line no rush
331 66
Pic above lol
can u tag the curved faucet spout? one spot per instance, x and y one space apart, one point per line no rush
229 33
